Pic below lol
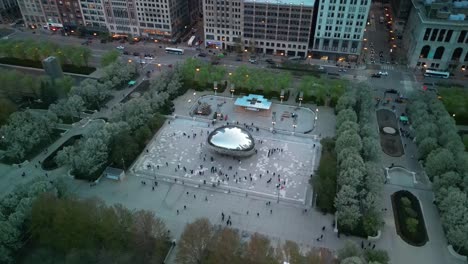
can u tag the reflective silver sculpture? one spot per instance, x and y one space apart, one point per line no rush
232 140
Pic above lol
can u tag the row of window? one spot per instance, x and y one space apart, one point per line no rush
276 37
435 34
277 45
352 2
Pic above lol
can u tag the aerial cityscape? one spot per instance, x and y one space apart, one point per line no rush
233 131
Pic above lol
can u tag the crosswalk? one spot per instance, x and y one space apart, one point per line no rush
387 67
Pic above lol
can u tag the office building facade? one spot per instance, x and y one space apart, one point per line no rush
9 10
339 29
32 12
163 19
262 26
436 35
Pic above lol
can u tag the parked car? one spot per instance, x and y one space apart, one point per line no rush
253 61
375 75
120 47
270 61
136 54
239 58
125 52
201 54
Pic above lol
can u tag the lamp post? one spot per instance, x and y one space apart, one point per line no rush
294 128
282 97
215 87
159 66
301 95
232 90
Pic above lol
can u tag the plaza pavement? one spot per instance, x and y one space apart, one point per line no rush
182 144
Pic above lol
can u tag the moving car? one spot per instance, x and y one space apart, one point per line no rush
253 61
376 75
120 47
383 73
201 54
136 54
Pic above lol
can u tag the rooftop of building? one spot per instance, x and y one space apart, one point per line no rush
309 3
442 11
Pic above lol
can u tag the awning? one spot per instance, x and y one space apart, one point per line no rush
131 83
404 118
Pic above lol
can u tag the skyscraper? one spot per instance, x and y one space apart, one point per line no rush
263 26
436 35
339 29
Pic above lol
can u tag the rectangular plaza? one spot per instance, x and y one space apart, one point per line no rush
179 153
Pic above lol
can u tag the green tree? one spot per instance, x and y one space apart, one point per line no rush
259 251
109 58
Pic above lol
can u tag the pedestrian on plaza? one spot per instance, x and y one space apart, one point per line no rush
258 214
194 196
247 212
271 211
185 207
167 164
362 244
321 236
323 228
206 198
177 211
153 188
373 246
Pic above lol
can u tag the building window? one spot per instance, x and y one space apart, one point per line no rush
434 34
439 53
449 36
427 34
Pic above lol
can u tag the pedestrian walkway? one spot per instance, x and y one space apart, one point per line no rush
386 67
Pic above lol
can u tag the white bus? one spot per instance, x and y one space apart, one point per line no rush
191 40
174 51
436 74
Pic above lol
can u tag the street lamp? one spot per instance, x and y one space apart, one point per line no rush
281 97
215 87
159 66
300 101
273 123
294 128
232 90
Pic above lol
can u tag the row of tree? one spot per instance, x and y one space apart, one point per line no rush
27 129
37 51
130 127
202 242
68 230
446 163
255 79
19 90
24 131
321 90
202 74
359 181
15 215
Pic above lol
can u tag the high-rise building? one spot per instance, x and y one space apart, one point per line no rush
32 12
401 8
339 29
163 19
223 22
436 35
195 10
93 15
8 10
278 27
263 26
55 14
121 17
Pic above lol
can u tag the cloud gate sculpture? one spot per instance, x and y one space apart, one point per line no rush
231 140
